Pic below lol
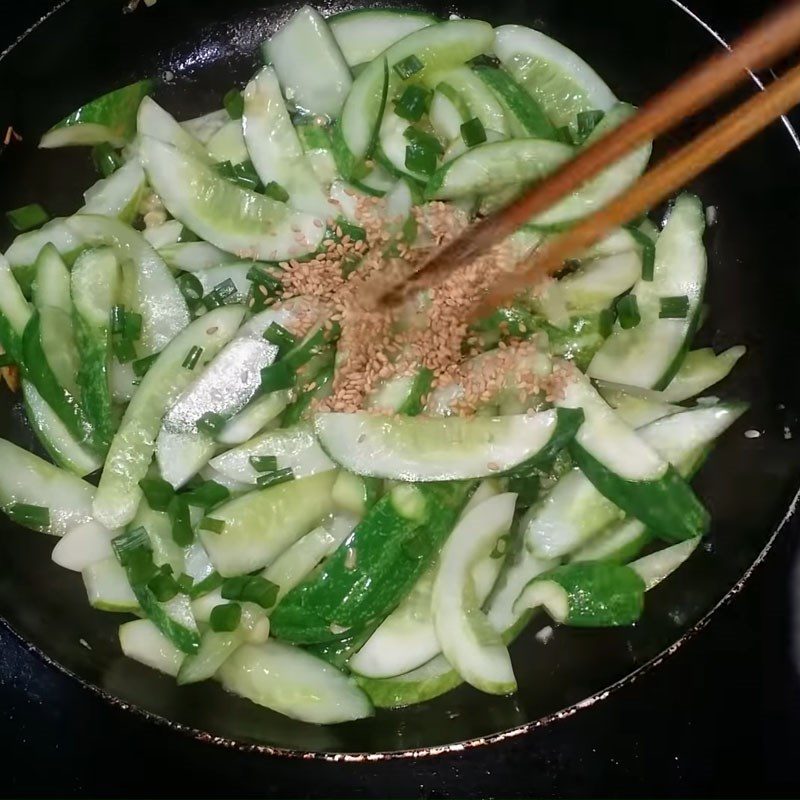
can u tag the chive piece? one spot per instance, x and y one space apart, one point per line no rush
564 134
225 290
277 376
118 319
178 511
234 104
210 583
246 176
123 350
264 463
628 311
355 232
408 66
163 586
6 360
648 251
26 218
211 524
29 515
211 424
420 160
190 286
413 103
587 122
278 335
192 357
106 160
127 544
225 170
250 589
185 583
605 325
274 190
274 478
225 618
142 365
473 132
207 495
157 492
132 326
674 307
424 139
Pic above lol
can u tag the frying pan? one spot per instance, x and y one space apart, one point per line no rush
198 49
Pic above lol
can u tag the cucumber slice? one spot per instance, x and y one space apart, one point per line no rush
628 471
254 418
318 148
294 683
163 235
589 594
476 97
700 370
259 526
204 127
367 576
453 448
618 543
154 122
235 271
118 195
15 313
96 284
468 641
156 294
364 33
27 480
489 167
107 587
650 354
83 545
418 686
55 437
110 118
275 148
634 409
394 143
143 642
446 116
51 284
309 64
605 186
195 256
403 394
234 219
118 494
228 143
215 650
438 47
559 80
295 448
302 558
653 568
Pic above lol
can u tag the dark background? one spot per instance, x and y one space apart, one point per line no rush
719 718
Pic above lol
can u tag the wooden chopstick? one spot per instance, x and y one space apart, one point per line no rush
654 186
770 39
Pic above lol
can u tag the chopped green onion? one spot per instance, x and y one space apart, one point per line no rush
157 492
250 589
207 495
605 324
245 175
413 103
118 319
163 586
225 170
28 515
190 287
674 307
185 583
234 103
587 122
211 524
127 544
26 218
423 139
261 277
192 357
106 160
355 232
6 360
628 311
408 66
211 423
123 350
264 463
274 478
210 583
225 289
564 134
178 511
274 190
277 376
648 251
484 61
420 160
278 335
526 487
225 618
473 132
142 365
132 327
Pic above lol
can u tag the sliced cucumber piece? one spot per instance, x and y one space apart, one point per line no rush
228 143
476 96
215 650
259 526
618 543
634 409
275 148
364 33
118 494
55 437
195 256
700 370
453 448
156 123
294 683
239 221
157 296
15 312
118 195
468 640
142 641
492 166
83 545
309 64
164 235
254 418
653 568
418 686
446 116
404 394
393 144
204 127
317 146
650 354
107 587
559 80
